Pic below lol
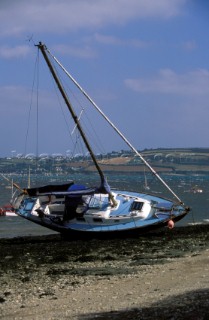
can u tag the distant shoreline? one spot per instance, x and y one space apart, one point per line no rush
174 161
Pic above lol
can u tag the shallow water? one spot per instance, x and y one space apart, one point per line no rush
180 184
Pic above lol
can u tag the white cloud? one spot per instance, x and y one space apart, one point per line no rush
111 40
13 52
53 16
85 52
9 52
195 82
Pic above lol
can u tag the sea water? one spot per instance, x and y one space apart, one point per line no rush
182 185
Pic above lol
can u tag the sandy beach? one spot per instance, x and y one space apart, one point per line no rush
162 275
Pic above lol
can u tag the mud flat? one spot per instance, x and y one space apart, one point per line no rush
162 275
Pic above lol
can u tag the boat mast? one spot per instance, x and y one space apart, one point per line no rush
115 128
43 49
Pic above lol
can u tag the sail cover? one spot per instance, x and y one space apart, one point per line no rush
48 189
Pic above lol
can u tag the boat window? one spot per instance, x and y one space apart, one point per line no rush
29 206
136 206
98 202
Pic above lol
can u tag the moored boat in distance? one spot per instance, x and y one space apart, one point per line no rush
196 189
8 211
74 209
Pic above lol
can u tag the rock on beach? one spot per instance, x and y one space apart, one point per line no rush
162 275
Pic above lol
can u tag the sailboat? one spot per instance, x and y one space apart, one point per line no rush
7 209
77 210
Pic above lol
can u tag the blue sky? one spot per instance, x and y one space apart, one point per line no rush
144 62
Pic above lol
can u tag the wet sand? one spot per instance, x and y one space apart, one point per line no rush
162 275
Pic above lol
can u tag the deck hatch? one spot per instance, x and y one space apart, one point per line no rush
136 206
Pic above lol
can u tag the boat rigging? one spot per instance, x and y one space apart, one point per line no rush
110 122
73 209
